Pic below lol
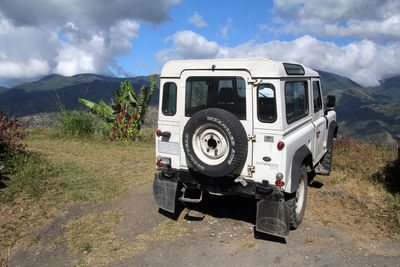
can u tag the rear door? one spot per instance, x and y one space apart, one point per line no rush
206 89
319 121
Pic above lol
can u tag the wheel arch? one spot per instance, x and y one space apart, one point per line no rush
302 156
332 133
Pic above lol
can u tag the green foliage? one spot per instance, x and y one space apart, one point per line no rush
27 171
128 111
76 123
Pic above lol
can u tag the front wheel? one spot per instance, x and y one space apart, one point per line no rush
297 202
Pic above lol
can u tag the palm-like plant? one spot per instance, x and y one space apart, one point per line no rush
124 100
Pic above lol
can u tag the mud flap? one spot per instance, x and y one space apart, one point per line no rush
273 217
164 192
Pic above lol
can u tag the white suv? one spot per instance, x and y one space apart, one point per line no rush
252 127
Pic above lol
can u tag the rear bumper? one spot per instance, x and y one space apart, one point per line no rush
224 185
272 212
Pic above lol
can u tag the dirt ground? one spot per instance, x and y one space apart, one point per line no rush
217 232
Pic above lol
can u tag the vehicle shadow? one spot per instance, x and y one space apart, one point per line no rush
232 207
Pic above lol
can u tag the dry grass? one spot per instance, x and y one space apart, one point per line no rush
93 236
168 230
81 170
361 194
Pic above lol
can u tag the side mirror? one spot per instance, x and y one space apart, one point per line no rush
330 101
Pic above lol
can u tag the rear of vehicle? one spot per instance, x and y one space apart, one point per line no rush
234 127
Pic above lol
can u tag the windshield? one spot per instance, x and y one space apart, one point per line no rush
228 93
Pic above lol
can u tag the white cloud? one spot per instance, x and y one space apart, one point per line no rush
85 14
224 30
69 37
188 44
363 61
377 20
197 20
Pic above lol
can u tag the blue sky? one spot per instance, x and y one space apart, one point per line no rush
359 39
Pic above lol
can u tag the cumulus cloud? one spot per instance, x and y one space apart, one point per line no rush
363 61
377 20
189 44
86 14
197 20
69 37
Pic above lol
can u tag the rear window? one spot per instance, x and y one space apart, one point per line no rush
228 93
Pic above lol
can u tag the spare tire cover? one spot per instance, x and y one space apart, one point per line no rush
215 142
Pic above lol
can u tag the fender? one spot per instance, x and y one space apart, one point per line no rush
302 154
332 133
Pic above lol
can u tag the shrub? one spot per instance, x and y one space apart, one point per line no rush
76 123
11 134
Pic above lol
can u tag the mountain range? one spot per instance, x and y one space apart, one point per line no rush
365 113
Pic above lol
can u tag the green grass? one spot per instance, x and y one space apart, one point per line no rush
27 172
57 171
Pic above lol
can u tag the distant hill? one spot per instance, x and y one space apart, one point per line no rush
363 113
3 89
389 88
46 94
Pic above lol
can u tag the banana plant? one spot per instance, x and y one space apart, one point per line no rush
124 100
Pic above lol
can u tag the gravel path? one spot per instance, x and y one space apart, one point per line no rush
218 232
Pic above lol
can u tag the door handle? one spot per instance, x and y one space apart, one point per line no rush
318 133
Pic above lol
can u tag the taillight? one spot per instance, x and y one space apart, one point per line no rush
280 145
279 178
158 132
163 162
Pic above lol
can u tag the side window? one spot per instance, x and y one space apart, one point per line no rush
317 100
296 99
169 99
266 103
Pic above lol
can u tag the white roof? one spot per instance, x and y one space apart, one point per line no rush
257 67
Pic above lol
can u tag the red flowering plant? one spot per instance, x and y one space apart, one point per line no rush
11 134
125 126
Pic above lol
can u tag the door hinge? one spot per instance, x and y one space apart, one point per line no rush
251 137
250 170
254 81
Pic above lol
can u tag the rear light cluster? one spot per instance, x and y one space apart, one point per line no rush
163 162
279 178
163 134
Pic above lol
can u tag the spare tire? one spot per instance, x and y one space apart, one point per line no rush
215 142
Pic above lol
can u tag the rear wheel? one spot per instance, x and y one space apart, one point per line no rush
297 202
